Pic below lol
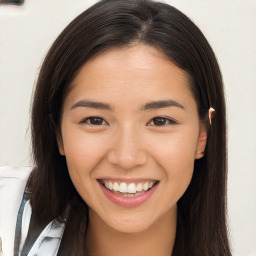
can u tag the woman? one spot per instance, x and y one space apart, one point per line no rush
130 155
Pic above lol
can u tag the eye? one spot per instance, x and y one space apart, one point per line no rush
94 120
161 121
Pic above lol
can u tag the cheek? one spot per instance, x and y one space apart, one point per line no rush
83 153
176 156
82 150
178 163
176 149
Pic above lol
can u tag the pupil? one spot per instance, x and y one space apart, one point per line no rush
159 121
96 120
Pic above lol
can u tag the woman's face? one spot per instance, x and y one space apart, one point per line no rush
130 132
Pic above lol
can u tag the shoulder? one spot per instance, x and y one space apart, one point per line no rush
12 185
12 182
15 172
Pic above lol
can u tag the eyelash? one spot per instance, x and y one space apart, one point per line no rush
88 121
167 121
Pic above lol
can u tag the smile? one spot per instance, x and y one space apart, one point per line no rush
131 189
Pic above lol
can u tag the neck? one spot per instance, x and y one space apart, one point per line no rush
158 239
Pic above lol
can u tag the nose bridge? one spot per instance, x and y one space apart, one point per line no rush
127 149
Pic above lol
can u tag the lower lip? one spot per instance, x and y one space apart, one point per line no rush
128 201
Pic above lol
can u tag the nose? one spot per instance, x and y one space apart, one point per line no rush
127 150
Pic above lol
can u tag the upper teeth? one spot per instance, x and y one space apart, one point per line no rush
124 187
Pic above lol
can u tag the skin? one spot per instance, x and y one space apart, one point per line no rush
128 143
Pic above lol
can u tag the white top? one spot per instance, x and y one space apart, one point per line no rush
12 185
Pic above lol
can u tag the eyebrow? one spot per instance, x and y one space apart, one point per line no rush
91 104
162 104
148 106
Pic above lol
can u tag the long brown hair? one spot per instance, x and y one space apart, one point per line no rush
110 24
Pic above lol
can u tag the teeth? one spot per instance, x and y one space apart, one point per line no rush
123 187
109 185
130 189
139 187
116 186
145 186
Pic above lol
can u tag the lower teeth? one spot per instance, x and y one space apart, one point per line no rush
132 195
128 194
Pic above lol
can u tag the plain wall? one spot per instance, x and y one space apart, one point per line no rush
27 32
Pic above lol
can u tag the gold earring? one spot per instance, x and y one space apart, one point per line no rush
201 153
211 114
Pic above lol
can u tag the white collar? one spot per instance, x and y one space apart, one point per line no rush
12 185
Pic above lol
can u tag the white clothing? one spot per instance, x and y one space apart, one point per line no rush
13 181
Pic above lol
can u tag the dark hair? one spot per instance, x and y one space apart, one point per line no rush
111 24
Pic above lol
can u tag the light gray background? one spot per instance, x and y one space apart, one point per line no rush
27 32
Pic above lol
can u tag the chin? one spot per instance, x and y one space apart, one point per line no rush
131 225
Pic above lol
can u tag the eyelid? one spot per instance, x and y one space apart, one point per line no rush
84 121
170 121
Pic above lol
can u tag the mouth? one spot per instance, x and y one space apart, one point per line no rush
128 189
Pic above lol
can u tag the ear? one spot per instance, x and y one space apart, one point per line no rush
60 141
201 144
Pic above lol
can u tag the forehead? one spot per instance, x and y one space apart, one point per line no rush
138 70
